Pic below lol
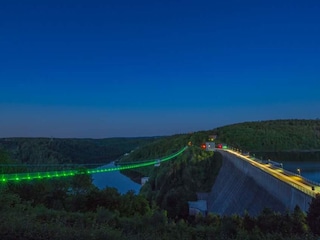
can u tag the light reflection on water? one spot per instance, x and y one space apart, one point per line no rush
114 179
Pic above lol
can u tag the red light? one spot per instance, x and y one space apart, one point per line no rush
219 146
203 146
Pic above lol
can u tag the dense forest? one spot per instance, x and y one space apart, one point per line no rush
264 136
73 208
279 140
62 151
275 135
176 182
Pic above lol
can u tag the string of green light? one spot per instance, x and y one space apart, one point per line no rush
65 173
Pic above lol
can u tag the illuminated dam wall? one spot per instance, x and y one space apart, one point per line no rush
241 187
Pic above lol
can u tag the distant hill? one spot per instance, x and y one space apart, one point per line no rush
260 136
275 135
56 150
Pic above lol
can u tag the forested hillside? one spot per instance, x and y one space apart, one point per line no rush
73 208
176 182
275 135
53 151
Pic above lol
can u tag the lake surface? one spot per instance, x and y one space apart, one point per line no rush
115 179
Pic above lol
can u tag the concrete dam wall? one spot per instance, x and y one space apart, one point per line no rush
242 187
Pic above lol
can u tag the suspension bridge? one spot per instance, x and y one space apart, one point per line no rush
76 169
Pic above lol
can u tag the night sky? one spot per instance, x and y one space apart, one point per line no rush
143 68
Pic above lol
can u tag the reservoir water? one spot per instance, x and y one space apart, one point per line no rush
115 179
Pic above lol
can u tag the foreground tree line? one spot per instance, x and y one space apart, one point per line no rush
75 209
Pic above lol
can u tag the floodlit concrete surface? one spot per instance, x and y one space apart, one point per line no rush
241 186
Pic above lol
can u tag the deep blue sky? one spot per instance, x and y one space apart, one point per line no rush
140 68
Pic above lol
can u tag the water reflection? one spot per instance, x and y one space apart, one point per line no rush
114 179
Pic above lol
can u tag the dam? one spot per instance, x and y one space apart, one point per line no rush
240 186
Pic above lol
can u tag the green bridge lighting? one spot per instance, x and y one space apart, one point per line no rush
67 173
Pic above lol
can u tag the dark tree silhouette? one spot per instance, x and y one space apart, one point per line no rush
313 216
